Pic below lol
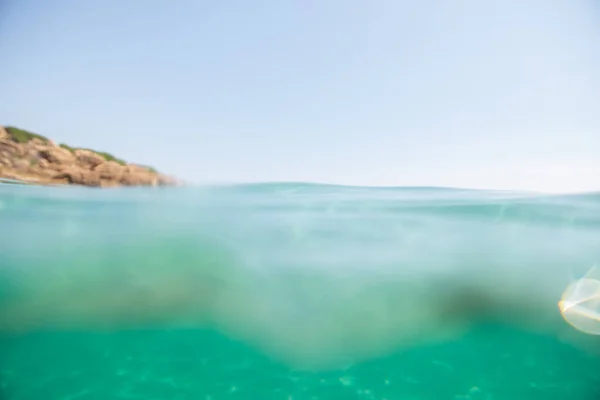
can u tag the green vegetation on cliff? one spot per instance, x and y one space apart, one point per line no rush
22 136
106 156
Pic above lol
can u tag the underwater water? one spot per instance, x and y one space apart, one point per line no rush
293 291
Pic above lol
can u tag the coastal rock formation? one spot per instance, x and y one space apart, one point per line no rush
33 158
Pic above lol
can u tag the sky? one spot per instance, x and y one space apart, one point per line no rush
498 94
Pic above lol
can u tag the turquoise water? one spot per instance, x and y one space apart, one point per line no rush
293 291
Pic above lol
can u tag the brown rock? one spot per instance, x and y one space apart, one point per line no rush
8 146
21 164
166 181
135 175
57 155
78 176
32 152
110 170
43 164
3 133
134 168
36 142
42 172
87 158
138 179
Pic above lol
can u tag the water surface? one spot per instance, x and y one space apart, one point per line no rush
293 291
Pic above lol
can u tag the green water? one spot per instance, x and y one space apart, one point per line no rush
488 364
293 292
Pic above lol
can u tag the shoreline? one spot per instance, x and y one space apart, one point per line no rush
29 158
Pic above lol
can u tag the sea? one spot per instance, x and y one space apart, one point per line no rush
294 291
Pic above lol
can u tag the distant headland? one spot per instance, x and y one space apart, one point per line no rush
32 158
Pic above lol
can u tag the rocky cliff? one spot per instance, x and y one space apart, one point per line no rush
36 159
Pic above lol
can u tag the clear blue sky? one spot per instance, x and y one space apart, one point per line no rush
471 93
